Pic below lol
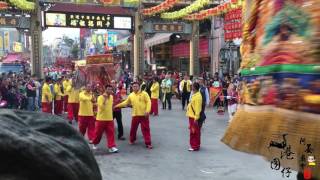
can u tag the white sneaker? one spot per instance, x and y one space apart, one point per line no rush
190 149
113 150
94 147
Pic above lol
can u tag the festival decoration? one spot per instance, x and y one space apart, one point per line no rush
130 3
23 4
218 10
3 5
197 5
164 6
279 112
233 24
100 59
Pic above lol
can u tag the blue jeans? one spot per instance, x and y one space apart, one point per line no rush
31 103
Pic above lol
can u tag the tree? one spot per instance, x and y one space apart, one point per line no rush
75 50
74 46
68 41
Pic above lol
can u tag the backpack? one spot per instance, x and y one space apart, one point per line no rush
203 106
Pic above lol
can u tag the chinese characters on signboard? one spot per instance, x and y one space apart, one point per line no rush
168 27
122 22
8 21
36 55
86 20
100 59
6 40
89 21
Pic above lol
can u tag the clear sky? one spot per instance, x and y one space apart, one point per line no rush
50 34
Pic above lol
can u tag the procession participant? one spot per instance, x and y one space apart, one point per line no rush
205 100
232 101
73 102
166 88
86 115
117 114
58 103
141 105
46 99
65 83
154 96
185 89
193 112
31 93
104 121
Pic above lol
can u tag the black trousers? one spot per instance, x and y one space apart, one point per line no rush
185 98
118 116
167 100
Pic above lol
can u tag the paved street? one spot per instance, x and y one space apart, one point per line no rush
170 160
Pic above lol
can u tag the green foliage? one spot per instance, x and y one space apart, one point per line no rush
74 50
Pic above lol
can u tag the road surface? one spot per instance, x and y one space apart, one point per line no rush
170 158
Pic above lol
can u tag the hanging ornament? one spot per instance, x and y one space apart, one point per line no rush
195 6
23 4
3 5
234 6
166 5
106 2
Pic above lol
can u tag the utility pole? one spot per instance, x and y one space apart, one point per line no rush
36 41
194 66
216 37
138 47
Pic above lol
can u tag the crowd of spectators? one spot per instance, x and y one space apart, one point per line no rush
16 90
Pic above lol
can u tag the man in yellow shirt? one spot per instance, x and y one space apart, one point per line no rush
73 102
104 119
141 106
46 99
185 89
193 112
154 96
58 103
65 83
86 116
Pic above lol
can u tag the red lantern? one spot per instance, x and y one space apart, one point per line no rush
227 36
